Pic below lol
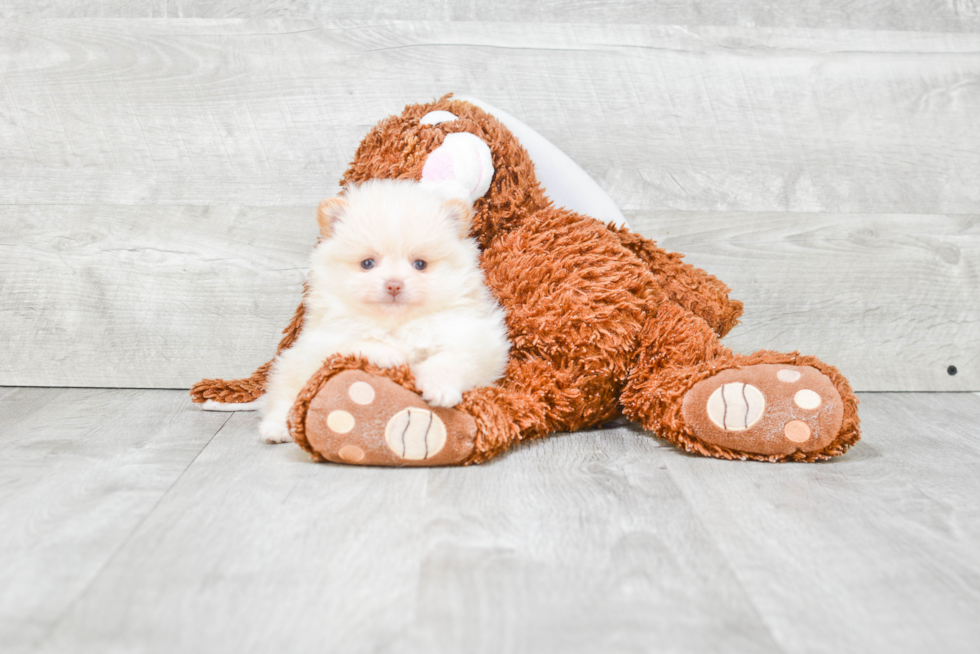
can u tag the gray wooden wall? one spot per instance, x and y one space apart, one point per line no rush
160 161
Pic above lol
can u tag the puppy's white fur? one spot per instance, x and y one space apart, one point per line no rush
440 320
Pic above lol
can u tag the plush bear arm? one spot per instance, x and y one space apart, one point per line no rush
702 294
293 328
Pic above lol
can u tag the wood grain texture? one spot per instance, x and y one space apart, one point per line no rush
164 296
892 300
80 470
892 529
361 559
147 296
269 112
911 15
159 174
596 541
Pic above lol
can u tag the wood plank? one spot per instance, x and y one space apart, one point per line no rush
912 15
597 541
742 122
164 296
147 296
878 551
269 112
81 470
580 543
889 299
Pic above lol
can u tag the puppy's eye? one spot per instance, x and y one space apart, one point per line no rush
367 264
418 264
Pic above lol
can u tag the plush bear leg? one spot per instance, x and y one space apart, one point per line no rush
691 390
356 413
693 289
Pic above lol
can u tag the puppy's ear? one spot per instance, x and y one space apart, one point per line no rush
328 213
460 213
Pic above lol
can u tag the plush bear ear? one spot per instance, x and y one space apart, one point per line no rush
329 212
460 213
462 167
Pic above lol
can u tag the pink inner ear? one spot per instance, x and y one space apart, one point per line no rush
438 167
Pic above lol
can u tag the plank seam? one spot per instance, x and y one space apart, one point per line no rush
122 545
724 557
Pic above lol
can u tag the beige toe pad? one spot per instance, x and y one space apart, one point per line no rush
768 409
358 418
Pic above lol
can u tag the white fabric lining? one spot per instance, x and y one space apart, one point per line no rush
563 180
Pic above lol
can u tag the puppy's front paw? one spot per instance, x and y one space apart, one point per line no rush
440 394
274 431
382 355
389 359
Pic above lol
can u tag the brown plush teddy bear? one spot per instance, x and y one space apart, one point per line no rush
602 323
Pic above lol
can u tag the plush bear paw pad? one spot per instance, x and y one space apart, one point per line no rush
768 409
362 419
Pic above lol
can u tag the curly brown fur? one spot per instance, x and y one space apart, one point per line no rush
397 147
678 351
601 319
702 294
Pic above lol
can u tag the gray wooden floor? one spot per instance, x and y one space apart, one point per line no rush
132 522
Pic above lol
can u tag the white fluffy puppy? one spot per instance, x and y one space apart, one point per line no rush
396 280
